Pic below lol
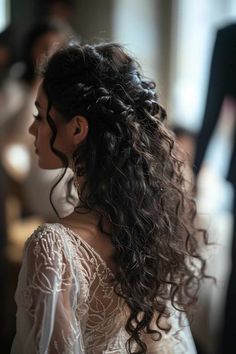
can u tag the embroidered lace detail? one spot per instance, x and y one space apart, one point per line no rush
67 304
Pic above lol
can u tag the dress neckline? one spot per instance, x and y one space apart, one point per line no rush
76 235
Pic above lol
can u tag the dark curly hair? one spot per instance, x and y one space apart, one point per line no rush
134 180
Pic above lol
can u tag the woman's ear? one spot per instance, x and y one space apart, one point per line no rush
79 130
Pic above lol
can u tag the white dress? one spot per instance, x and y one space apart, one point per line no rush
66 302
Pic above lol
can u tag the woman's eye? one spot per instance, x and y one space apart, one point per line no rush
37 117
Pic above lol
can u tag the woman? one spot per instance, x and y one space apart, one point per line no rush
115 275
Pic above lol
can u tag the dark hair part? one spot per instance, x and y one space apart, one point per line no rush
133 178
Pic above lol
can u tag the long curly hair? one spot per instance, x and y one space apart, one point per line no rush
134 179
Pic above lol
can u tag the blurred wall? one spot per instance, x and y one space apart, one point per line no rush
94 19
145 29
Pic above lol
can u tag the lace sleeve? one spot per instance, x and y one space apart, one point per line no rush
46 297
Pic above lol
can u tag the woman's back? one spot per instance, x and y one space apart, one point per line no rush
114 282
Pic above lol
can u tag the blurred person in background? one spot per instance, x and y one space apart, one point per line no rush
6 52
10 103
23 209
222 85
16 145
63 10
3 237
10 96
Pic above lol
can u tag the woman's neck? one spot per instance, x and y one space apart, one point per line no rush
82 217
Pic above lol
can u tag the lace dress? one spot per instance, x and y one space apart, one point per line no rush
66 302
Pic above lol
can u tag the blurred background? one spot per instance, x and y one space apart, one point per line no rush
174 41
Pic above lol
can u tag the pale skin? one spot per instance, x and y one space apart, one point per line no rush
69 136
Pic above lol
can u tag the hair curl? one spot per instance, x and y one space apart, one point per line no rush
134 180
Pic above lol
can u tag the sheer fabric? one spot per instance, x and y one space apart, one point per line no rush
66 301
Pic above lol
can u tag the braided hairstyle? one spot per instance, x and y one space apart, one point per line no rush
134 180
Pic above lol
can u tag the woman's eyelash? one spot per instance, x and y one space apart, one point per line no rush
37 117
